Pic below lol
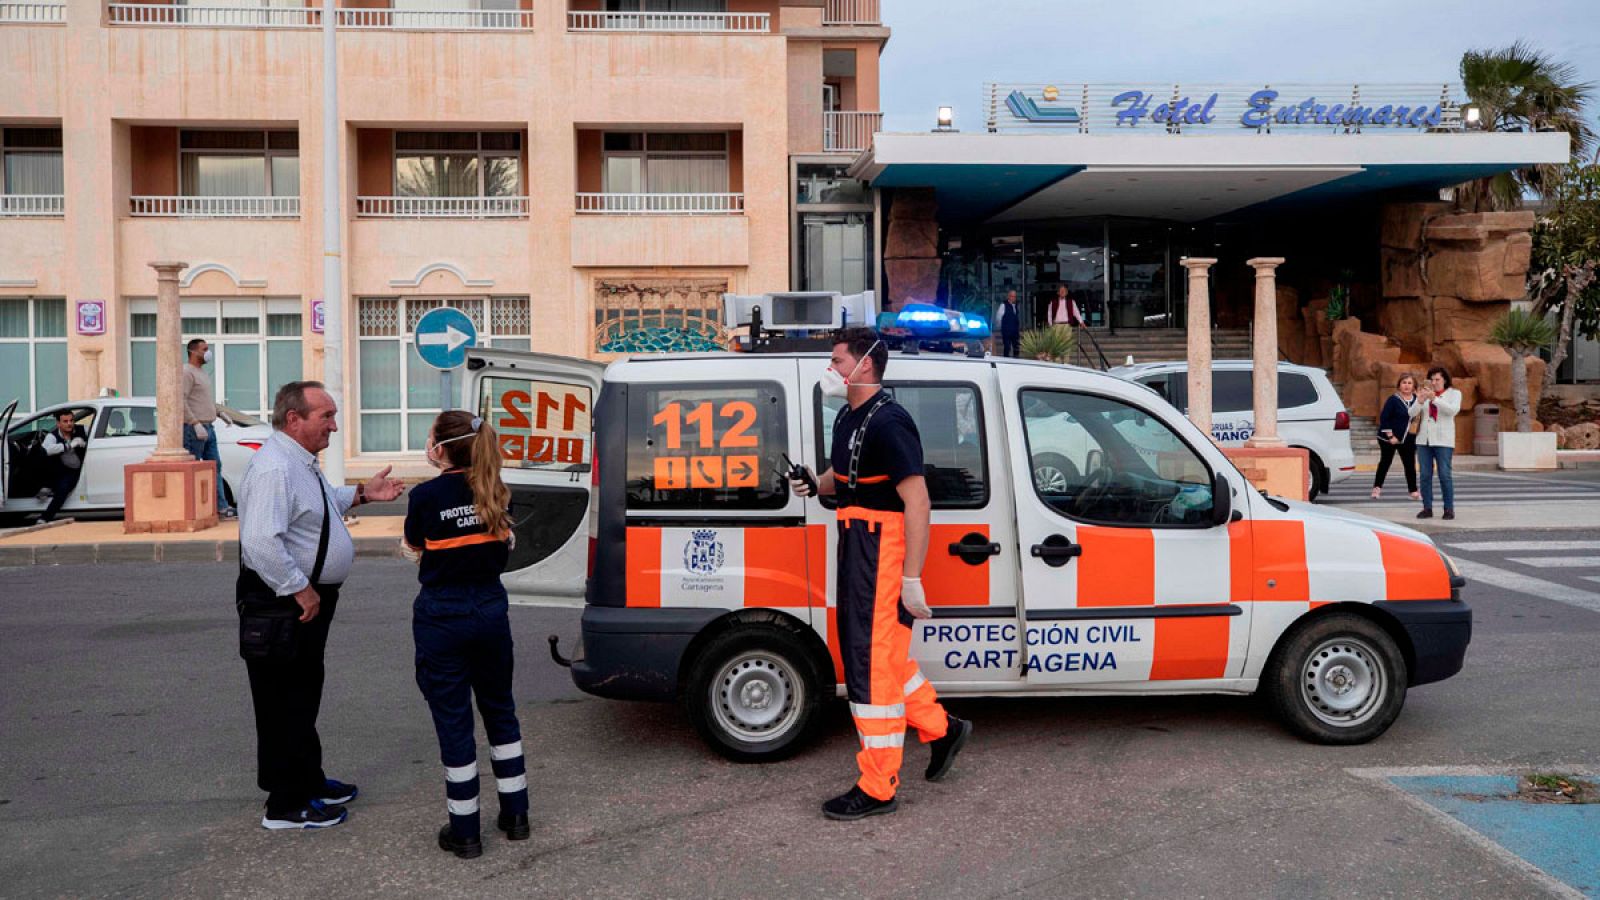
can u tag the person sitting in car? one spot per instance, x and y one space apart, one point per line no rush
63 448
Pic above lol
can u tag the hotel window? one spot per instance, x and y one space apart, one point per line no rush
833 237
255 163
33 351
256 346
458 164
31 161
399 393
714 6
665 162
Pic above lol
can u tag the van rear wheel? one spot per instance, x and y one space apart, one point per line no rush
753 693
1340 679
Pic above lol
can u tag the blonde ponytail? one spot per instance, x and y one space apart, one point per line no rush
490 495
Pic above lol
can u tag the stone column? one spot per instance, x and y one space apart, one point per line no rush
1265 364
1199 305
169 365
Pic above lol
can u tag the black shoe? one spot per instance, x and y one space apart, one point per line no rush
466 848
312 815
946 748
1425 514
335 792
515 825
857 804
1449 514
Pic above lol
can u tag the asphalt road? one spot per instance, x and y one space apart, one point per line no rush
126 767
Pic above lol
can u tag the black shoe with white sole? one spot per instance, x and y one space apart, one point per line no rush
312 815
337 792
466 848
857 804
946 748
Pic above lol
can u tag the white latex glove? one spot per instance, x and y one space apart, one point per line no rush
410 553
200 431
916 602
78 444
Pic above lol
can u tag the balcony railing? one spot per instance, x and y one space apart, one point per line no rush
217 207
851 12
694 22
34 13
31 205
437 19
442 207
661 204
849 132
176 16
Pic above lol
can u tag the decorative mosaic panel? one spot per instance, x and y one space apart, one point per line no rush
659 315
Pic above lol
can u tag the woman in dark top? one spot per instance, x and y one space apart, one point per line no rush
458 528
1395 435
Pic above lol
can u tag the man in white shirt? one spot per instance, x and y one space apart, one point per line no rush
63 447
294 553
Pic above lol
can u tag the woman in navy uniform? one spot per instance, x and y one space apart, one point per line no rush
458 528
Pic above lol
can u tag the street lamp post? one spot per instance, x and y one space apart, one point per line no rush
332 275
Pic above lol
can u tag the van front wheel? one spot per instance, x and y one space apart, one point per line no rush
1340 679
753 693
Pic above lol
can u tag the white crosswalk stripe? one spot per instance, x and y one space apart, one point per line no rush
1521 546
1557 562
1526 584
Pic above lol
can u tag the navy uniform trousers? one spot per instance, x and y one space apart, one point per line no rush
464 650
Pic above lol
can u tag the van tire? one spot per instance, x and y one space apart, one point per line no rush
1319 479
1332 668
735 682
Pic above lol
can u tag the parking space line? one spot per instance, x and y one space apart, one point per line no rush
1537 588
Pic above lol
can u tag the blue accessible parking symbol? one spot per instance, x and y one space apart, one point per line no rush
443 337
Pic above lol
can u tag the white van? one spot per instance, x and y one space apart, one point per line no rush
1310 413
1150 567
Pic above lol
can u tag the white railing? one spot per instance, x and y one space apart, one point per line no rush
437 19
849 131
1204 108
442 207
217 207
851 12
176 16
34 13
31 204
700 22
661 204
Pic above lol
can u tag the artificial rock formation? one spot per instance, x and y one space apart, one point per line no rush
911 261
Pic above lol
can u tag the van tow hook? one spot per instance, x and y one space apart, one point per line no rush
555 653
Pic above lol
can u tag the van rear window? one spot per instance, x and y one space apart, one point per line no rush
707 446
542 424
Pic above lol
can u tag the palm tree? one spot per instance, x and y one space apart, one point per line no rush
1522 334
1518 88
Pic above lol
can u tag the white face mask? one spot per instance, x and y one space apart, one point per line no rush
836 385
207 357
435 461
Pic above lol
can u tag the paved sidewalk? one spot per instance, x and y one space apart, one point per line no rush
104 542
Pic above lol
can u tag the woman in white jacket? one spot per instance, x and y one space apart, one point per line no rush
1436 439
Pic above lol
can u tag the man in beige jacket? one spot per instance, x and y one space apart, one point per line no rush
200 416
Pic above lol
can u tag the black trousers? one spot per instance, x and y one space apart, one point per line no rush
287 697
1407 450
1009 344
63 479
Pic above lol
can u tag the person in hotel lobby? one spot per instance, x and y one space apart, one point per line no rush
1010 325
1397 435
1436 439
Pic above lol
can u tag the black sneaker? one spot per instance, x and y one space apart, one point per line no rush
1425 514
312 815
336 792
466 848
515 825
857 804
1449 514
946 748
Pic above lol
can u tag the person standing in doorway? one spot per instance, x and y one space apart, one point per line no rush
200 416
294 555
1064 310
1010 326
1397 435
458 530
877 477
63 447
1436 439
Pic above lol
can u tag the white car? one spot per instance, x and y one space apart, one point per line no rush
1310 413
121 430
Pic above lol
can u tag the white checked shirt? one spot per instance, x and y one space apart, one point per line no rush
280 518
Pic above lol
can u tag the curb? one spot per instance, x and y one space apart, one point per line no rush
153 551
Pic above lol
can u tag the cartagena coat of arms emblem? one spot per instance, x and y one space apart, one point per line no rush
702 555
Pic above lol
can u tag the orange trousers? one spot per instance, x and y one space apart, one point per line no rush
885 687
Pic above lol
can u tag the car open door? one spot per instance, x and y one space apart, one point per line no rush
542 406
5 451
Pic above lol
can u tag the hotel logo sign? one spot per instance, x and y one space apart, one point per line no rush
1263 110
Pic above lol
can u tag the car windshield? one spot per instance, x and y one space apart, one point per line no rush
234 417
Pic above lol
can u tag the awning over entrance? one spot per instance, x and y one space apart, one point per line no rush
1182 178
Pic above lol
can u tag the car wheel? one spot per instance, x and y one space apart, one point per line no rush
1053 473
753 693
1339 679
1319 479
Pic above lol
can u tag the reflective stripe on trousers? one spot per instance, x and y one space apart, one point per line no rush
885 687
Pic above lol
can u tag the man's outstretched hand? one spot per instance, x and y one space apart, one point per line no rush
381 488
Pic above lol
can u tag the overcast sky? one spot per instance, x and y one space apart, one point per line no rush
942 51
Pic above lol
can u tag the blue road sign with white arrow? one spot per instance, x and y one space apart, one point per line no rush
443 336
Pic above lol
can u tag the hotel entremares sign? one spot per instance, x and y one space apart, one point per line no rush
1265 108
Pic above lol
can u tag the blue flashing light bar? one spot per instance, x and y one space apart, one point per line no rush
928 322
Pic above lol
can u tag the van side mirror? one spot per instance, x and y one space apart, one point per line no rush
1221 500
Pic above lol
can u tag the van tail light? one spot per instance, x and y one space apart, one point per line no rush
1341 422
594 505
253 445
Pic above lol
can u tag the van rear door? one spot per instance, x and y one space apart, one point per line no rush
542 406
5 451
